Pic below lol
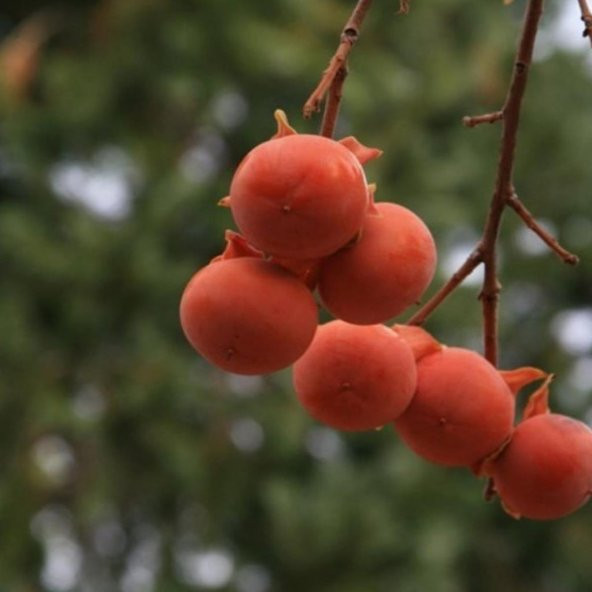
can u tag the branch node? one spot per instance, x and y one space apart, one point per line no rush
520 68
350 34
490 294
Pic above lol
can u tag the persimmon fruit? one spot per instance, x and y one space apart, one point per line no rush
355 377
247 315
299 196
545 472
461 412
384 272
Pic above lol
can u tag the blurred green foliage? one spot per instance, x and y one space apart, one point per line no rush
127 462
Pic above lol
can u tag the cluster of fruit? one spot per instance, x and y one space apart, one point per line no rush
452 408
309 222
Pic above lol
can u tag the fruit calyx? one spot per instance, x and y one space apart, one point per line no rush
517 379
420 341
362 152
237 246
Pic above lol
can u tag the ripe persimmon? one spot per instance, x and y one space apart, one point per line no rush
299 196
247 315
384 272
545 472
462 410
355 377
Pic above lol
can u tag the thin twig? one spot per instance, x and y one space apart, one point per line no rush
348 38
474 120
516 204
587 18
472 261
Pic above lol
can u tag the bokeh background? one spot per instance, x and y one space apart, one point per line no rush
127 462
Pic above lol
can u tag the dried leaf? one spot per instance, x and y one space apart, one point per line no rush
372 209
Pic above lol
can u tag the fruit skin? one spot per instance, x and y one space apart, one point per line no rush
355 377
248 316
545 472
462 410
387 270
299 196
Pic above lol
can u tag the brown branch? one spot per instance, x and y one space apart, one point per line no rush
486 249
348 38
587 18
472 121
333 103
472 261
528 219
505 169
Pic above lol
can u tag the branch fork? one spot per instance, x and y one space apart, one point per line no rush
504 194
334 75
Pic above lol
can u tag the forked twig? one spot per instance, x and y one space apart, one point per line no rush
338 62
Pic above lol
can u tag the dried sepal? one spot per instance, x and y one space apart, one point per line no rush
224 202
508 510
372 209
482 467
420 341
489 491
237 246
283 126
538 402
520 377
363 153
306 270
